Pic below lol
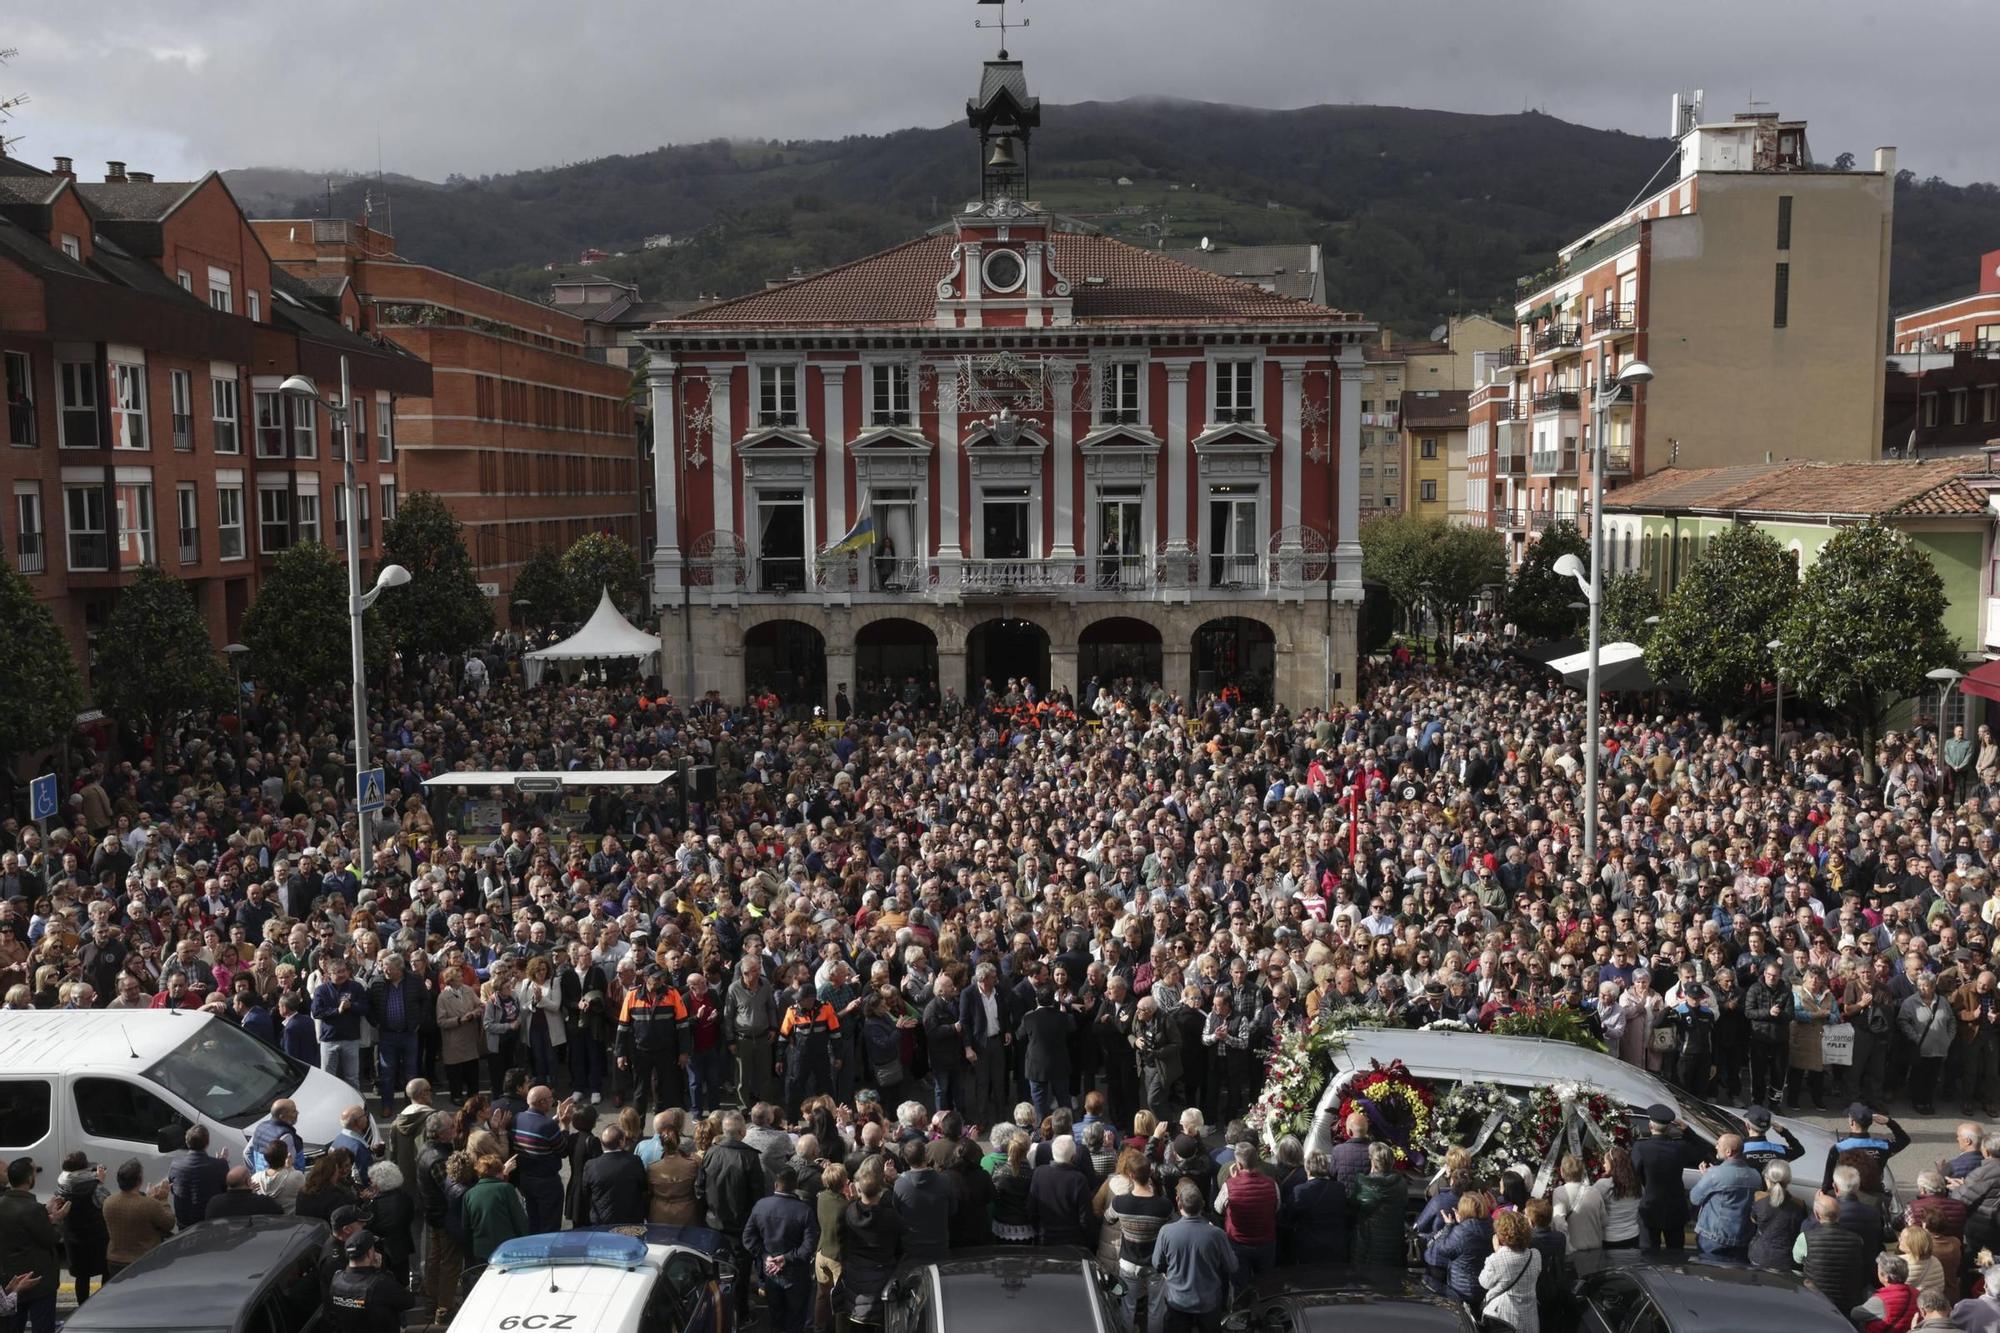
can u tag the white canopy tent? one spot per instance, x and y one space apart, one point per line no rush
606 636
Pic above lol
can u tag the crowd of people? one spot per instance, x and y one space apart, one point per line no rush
1004 971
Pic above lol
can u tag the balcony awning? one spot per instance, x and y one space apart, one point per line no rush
1542 311
1983 682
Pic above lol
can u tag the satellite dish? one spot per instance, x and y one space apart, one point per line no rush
1204 243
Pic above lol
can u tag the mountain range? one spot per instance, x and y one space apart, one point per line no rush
1419 213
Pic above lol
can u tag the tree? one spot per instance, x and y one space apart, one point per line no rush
298 628
541 585
441 609
161 664
1845 162
1867 623
1538 598
41 691
1463 562
1628 600
1393 555
1718 622
1429 564
598 560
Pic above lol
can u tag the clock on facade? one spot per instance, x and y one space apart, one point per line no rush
1003 270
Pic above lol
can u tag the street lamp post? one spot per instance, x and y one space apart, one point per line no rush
390 576
1592 582
1778 711
235 653
1946 679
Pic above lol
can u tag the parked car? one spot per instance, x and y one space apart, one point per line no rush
1630 1291
1005 1291
621 1279
1522 1064
1333 1298
240 1275
128 1083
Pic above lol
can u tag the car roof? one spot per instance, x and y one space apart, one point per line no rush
1700 1292
1010 1291
38 1041
1474 1056
563 1273
202 1277
1308 1283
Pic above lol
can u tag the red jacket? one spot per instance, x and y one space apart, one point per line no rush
1899 1306
1252 1215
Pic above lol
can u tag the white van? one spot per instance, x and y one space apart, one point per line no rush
1520 1064
129 1082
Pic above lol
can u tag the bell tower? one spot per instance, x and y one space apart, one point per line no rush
1006 117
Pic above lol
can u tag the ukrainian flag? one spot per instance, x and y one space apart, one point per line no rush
860 535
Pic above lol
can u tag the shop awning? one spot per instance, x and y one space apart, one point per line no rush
1984 682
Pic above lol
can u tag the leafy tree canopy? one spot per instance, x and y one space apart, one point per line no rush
1628 600
441 609
1538 599
1429 563
297 629
540 584
596 561
1715 629
41 691
161 664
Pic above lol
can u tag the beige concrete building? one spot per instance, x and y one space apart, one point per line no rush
1756 285
1423 367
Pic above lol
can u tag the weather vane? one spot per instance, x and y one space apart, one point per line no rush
1001 23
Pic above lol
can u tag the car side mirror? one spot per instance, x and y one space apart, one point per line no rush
172 1138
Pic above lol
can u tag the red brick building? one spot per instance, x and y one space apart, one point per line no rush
1959 322
526 435
144 333
1080 460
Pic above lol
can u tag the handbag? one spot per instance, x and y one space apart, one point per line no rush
888 1073
1490 1322
1664 1040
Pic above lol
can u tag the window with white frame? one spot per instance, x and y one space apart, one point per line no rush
270 406
128 406
72 247
781 540
182 383
1122 559
221 296
1989 403
388 503
340 516
367 511
187 505
223 409
1960 406
385 427
308 509
274 519
1234 540
186 280
1118 384
229 520
83 514
305 428
31 554
778 394
889 393
893 562
22 428
358 423
1235 389
254 307
135 522
76 397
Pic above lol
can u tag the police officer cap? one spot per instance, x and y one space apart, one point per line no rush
1758 1116
1860 1112
1660 1113
360 1244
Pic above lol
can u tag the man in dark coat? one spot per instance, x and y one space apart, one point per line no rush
614 1184
1059 1199
780 1237
730 1182
1044 1040
193 1177
1659 1161
1158 1044
945 1048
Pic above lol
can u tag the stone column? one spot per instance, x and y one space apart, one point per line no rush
949 458
1064 418
722 437
1347 505
1177 455
1177 666
666 481
834 381
1291 446
951 671
1062 669
839 670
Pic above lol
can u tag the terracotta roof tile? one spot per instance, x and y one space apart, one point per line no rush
898 287
1890 487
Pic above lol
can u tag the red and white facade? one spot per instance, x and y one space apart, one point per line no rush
1079 458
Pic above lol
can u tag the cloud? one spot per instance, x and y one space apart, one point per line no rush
479 86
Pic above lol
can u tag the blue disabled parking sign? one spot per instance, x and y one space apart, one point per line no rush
42 797
369 790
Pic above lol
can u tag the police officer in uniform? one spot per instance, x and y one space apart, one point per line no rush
1864 1138
366 1298
1765 1143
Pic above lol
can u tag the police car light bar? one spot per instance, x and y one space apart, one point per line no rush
606 1249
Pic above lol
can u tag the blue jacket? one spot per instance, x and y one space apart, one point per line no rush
1462 1250
1724 1195
782 1226
334 1025
193 1178
1196 1264
267 1132
300 1040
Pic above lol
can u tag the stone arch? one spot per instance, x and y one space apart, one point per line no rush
787 655
1239 649
895 659
1004 646
1113 648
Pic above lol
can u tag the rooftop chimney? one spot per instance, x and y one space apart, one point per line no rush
114 173
140 177
66 167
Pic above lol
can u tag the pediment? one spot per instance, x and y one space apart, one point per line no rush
1120 437
777 440
889 440
1234 437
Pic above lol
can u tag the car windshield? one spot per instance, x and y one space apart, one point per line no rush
1710 1119
226 1074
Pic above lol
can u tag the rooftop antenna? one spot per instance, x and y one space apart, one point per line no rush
1000 23
7 104
382 183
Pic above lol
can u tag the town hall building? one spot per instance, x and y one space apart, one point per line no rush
1009 448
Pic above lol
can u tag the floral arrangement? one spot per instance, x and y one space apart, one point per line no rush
1298 1070
1537 1128
1555 1024
1398 1108
1448 1025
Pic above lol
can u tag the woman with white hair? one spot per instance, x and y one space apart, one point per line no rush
392 1216
1981 1314
1775 1220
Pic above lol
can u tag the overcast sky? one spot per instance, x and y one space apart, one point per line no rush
497 85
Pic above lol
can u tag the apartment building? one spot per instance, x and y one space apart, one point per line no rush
526 435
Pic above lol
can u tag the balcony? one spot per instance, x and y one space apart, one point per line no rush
1553 462
781 573
1613 317
1556 400
1541 520
30 554
190 546
88 551
851 572
1122 573
1235 570
183 431
1510 355
1510 519
1017 578
1556 336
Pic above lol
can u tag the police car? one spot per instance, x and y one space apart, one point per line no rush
624 1279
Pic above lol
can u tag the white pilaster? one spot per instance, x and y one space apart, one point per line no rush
1177 454
835 379
721 387
666 478
1291 447
1064 419
948 460
1347 506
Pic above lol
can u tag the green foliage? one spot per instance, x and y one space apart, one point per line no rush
1538 599
540 583
297 630
598 560
441 609
1867 623
1628 600
1554 1024
41 691
1714 631
159 663
1427 563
